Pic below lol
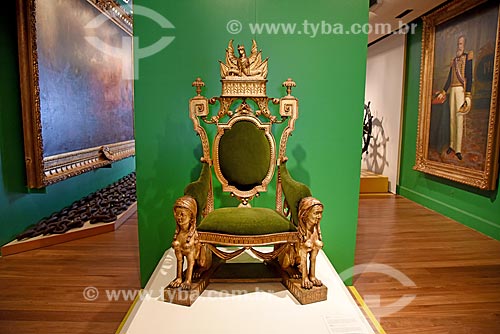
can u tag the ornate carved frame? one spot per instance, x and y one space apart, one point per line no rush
247 195
45 170
485 179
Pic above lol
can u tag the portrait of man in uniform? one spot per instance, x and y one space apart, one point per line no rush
462 88
457 122
458 86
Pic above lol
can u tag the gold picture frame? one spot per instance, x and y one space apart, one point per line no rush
458 127
76 78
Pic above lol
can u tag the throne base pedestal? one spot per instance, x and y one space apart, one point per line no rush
222 272
188 297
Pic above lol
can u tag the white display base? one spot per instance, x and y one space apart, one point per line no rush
245 307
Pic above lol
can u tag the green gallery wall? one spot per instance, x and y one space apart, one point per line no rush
477 209
20 208
324 150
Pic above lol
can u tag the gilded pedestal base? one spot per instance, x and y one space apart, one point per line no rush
222 272
188 297
185 297
304 296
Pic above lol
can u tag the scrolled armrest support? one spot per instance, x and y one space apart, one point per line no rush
294 192
200 189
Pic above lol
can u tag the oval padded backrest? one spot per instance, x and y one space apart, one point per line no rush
244 155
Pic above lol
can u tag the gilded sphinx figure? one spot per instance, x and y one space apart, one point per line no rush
186 244
294 260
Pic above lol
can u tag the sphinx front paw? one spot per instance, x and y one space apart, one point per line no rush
175 283
186 285
315 281
306 283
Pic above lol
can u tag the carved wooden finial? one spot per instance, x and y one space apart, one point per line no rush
198 83
289 83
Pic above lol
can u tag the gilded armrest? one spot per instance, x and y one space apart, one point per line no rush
201 188
294 192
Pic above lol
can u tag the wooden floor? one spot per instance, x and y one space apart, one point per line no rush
42 291
455 272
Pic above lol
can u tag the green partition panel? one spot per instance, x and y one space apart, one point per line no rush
329 70
470 206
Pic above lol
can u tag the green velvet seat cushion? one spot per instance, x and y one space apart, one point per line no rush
245 221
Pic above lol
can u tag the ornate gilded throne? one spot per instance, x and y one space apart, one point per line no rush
245 157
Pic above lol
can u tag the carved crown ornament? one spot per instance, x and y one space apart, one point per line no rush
243 67
243 77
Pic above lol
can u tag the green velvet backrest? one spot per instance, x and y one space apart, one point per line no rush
244 155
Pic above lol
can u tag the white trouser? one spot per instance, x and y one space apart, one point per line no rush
457 98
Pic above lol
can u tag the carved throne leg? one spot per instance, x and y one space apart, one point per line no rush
186 285
287 261
204 262
178 278
305 283
312 269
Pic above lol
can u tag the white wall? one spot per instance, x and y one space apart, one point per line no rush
384 88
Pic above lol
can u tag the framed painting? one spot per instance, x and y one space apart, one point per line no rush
76 75
458 127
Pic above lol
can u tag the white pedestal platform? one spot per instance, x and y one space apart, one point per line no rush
245 307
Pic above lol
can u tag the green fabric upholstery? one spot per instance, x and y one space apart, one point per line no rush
294 192
244 155
199 188
245 221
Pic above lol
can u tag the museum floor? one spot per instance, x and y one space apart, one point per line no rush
452 273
